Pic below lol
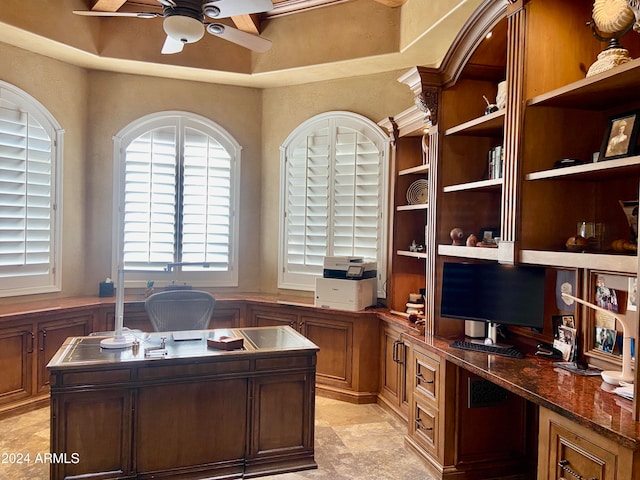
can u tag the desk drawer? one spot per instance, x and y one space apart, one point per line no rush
424 425
569 451
426 376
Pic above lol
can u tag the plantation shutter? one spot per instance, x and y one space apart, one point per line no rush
27 207
333 198
150 202
206 202
307 212
177 200
357 195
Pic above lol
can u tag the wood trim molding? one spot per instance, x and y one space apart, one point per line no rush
482 21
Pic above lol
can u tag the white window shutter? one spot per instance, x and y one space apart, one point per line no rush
28 221
333 196
177 187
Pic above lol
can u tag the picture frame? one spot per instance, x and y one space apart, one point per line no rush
632 297
605 339
620 137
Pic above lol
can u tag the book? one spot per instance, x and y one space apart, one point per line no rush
226 343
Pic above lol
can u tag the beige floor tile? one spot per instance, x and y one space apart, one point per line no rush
352 442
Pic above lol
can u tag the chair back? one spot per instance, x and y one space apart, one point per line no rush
175 310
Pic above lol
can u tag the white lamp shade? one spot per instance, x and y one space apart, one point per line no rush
183 29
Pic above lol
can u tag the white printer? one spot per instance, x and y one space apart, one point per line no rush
354 268
348 283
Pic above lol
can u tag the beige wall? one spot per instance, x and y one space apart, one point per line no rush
93 106
115 100
63 90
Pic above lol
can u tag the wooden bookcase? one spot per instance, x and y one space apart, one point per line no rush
542 48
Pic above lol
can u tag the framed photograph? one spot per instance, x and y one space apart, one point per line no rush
562 321
620 137
605 339
632 298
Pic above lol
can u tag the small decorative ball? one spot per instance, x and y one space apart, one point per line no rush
472 240
577 243
457 236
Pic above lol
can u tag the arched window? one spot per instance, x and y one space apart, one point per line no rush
30 156
176 193
334 171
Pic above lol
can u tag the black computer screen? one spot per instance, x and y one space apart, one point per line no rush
490 292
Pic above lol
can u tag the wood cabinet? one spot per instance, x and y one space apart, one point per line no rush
552 112
27 343
347 366
51 334
407 246
225 315
395 354
195 413
568 450
278 404
17 344
453 421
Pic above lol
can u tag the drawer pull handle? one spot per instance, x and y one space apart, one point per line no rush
422 379
564 465
420 425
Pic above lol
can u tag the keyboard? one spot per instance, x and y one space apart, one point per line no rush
492 349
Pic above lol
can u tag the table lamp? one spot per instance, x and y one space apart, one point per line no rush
614 377
118 340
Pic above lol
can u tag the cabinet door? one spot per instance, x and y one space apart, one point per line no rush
135 318
102 447
335 358
282 422
268 317
51 335
200 425
16 357
393 385
225 317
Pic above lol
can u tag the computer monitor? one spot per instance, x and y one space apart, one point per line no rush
494 293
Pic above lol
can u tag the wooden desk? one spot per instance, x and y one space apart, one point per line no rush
193 412
576 422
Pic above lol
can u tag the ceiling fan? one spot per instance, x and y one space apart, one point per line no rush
184 21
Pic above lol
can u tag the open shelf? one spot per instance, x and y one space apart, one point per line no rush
481 185
597 92
419 206
591 171
593 261
406 253
419 169
479 253
486 126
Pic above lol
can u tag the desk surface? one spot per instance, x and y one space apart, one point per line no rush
81 351
585 400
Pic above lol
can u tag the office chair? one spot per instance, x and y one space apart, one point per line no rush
175 310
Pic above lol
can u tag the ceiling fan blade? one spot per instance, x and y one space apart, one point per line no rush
171 45
244 39
232 8
96 13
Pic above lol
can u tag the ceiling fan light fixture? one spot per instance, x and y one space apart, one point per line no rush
184 29
211 11
215 28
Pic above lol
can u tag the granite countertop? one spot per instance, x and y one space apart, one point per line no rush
585 400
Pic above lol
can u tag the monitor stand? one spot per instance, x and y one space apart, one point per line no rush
492 337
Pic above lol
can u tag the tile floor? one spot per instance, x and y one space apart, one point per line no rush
352 442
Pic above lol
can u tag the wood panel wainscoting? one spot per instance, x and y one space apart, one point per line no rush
348 367
377 356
